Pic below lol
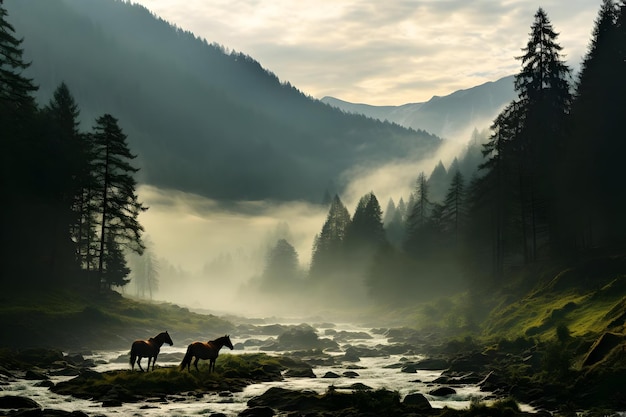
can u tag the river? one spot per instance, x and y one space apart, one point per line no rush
372 371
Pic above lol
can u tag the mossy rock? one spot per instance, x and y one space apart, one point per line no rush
232 372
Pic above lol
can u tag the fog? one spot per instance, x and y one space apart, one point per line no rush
212 252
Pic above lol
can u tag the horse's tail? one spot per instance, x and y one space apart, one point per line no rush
187 359
133 356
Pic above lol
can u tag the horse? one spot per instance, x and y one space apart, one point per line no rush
148 349
205 350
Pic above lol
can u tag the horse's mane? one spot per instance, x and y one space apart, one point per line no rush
219 339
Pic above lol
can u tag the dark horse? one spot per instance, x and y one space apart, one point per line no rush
148 349
202 350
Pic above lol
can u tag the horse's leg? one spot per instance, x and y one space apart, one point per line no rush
139 363
211 365
149 360
195 363
154 361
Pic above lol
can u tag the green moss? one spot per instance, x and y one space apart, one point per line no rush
232 372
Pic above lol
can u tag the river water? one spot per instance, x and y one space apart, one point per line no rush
372 371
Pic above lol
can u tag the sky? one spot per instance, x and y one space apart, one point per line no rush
381 53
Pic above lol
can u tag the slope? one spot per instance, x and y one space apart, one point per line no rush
201 119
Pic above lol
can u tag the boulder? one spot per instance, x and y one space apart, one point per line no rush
417 401
301 372
35 376
602 347
257 412
442 391
17 402
284 399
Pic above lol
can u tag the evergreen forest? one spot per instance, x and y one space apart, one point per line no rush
541 187
546 186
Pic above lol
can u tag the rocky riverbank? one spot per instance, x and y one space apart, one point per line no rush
524 370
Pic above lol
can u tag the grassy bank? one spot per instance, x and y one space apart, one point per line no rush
72 319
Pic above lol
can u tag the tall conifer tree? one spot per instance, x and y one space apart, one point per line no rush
119 205
17 184
328 246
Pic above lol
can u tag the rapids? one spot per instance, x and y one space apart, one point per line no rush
372 371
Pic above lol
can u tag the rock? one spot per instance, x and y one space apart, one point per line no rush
39 356
284 399
472 362
417 401
257 412
350 374
431 364
47 412
491 382
35 376
424 365
300 373
345 336
351 356
442 391
17 402
454 378
602 347
330 374
111 403
360 387
364 352
67 371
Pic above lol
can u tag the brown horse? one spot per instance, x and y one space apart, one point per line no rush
148 349
202 350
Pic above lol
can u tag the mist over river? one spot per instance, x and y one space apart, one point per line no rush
374 372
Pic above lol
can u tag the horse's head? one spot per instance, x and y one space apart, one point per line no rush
167 339
227 342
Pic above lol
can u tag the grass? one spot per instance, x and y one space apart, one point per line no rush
72 319
232 373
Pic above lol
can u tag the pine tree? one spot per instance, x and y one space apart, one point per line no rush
281 269
16 100
544 94
501 185
596 150
328 246
17 182
365 232
115 270
418 216
390 212
67 169
145 271
454 213
437 182
119 206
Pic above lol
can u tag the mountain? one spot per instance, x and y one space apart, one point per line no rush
201 119
450 117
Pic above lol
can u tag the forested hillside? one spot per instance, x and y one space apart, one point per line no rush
201 118
547 191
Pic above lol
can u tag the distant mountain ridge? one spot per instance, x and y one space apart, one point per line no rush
200 118
450 116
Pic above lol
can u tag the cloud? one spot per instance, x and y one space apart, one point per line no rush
375 52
